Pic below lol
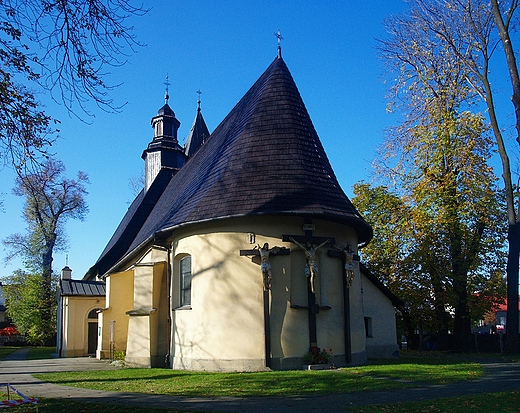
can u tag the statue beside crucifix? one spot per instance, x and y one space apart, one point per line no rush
349 263
265 264
311 268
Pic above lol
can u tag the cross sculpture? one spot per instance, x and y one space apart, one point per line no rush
167 94
265 266
280 38
347 257
307 243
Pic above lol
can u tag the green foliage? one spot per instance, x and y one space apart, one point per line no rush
439 235
119 355
50 199
23 296
435 165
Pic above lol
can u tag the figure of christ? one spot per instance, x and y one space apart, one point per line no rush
349 263
311 269
265 265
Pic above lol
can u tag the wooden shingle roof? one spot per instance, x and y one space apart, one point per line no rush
265 158
199 133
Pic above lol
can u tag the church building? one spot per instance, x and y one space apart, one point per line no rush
240 253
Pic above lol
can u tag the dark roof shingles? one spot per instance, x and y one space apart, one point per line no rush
264 158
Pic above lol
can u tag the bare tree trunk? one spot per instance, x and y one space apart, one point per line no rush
411 339
512 339
47 296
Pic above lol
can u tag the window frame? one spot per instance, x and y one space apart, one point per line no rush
368 327
185 290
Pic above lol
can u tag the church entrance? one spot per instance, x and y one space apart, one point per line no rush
92 332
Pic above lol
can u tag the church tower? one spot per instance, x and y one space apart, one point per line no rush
164 151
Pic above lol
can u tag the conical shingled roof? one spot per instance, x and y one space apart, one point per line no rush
265 158
199 133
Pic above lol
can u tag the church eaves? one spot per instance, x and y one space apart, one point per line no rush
265 158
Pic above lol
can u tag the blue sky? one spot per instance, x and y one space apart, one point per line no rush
221 48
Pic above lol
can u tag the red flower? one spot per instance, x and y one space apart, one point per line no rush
9 331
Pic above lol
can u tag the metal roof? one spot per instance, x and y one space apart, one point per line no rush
82 288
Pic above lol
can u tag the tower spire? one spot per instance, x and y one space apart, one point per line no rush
280 38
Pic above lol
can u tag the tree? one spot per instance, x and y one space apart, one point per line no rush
388 255
23 295
468 33
63 47
50 199
413 254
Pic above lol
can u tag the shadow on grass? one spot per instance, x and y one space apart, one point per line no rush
276 383
408 371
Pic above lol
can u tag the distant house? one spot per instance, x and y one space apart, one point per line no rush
495 320
79 302
501 317
241 251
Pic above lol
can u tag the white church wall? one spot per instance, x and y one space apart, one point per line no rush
357 325
223 328
381 340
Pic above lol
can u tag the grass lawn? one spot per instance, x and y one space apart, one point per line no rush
395 374
480 403
5 351
505 402
39 353
412 369
35 353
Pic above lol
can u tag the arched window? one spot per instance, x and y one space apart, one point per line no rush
93 314
185 281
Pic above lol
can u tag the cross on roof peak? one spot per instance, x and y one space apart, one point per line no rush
166 94
198 100
280 38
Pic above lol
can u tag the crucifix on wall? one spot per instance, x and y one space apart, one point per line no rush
347 257
265 267
310 245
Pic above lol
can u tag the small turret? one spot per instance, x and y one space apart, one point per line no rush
66 273
164 151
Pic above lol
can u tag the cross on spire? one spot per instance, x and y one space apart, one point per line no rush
166 95
280 38
198 101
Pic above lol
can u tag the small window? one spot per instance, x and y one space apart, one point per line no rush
368 326
185 281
